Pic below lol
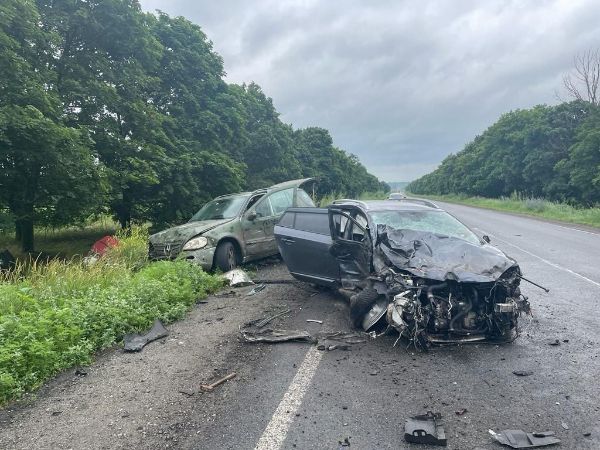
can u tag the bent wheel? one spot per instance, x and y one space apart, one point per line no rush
360 304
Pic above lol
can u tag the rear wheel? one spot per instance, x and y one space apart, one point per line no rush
226 257
361 304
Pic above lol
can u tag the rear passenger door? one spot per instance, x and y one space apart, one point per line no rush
304 242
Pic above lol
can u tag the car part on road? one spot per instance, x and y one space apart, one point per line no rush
256 290
320 322
259 323
521 439
522 373
136 342
238 278
425 429
210 387
276 336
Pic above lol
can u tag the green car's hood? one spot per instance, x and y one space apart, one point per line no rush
185 232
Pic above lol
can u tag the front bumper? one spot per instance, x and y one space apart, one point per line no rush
204 257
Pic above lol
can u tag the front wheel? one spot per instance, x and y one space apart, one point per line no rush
361 304
226 256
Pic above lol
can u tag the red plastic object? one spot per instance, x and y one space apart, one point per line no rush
102 245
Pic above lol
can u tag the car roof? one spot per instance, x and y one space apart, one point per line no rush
405 204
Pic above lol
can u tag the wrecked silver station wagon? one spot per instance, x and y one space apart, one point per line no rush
231 229
408 265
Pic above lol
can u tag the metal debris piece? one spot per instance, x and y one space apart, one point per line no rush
523 373
554 342
461 411
315 321
425 429
226 294
257 289
521 439
564 425
210 387
238 278
275 336
136 342
259 323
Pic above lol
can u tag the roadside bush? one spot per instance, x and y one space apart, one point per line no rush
56 315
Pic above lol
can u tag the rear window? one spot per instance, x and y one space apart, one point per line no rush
287 220
312 222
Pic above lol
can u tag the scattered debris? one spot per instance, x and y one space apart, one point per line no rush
315 321
523 373
80 372
460 412
257 289
136 342
56 413
554 342
259 323
283 281
374 373
227 294
187 392
425 429
565 341
210 387
275 336
521 439
238 278
564 425
345 442
587 433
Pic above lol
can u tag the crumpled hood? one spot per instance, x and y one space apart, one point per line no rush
183 233
438 257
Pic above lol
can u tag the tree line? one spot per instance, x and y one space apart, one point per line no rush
107 109
550 152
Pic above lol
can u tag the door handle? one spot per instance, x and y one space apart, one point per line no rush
288 240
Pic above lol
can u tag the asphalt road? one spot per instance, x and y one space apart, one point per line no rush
366 394
290 395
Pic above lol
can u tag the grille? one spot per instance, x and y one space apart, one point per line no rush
168 250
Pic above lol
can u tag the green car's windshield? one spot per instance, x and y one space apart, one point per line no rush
438 222
221 208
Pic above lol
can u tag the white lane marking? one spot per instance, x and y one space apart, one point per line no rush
556 266
576 229
276 431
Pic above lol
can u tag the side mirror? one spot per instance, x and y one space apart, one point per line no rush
252 216
486 238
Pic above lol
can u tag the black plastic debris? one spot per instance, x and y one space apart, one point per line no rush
522 373
136 342
521 439
425 429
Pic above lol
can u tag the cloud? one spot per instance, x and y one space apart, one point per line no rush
399 84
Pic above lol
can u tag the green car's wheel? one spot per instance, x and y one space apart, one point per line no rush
226 257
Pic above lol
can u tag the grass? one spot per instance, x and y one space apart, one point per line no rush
56 315
65 242
529 206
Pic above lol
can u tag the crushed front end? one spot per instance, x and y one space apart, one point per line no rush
426 311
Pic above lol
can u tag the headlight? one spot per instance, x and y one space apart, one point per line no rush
196 243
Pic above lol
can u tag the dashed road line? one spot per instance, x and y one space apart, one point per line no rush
556 266
276 431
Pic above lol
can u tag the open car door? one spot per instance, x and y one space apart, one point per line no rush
351 245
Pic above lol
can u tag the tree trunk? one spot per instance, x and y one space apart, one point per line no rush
18 233
26 228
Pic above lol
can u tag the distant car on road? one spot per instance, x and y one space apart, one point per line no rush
396 196
409 264
231 229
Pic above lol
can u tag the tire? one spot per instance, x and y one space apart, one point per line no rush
361 304
226 257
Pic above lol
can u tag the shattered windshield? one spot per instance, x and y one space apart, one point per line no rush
221 208
438 222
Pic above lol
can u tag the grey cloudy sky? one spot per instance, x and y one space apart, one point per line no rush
401 84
